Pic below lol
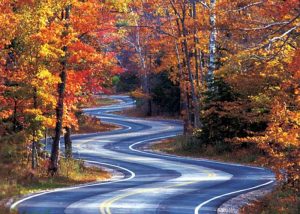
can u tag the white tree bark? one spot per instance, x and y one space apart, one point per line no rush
212 43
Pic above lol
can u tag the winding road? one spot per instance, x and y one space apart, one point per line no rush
152 183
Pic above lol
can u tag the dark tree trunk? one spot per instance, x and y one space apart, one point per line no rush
191 79
201 65
149 99
15 116
34 154
185 108
53 166
68 143
149 108
196 42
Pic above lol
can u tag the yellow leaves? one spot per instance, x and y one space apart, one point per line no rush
272 88
160 11
120 5
49 122
33 112
43 73
261 100
48 51
138 94
8 22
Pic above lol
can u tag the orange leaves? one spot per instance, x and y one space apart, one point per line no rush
285 7
281 139
40 41
295 65
265 76
284 127
139 94
50 34
87 10
81 53
8 22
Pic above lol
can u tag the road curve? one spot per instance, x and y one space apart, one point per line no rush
152 183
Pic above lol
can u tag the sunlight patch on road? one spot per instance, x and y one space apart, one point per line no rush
206 175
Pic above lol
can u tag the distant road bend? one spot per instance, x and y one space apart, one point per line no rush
152 183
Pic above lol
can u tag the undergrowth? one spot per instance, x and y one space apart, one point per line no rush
283 200
20 180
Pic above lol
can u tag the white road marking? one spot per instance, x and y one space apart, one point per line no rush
189 158
197 209
174 156
132 175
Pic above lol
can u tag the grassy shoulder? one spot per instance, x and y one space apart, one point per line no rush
140 112
99 101
89 124
184 146
18 179
21 180
281 200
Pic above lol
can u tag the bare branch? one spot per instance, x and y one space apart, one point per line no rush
204 3
266 26
247 6
284 34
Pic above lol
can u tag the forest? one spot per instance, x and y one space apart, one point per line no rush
230 70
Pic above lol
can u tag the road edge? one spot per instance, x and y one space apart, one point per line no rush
117 176
235 204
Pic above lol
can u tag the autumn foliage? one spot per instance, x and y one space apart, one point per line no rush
45 45
236 64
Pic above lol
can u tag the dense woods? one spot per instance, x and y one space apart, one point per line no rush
236 65
229 69
54 56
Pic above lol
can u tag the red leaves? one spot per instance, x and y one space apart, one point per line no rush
43 41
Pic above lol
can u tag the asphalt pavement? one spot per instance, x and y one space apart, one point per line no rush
152 182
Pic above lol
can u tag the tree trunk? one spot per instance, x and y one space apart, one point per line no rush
34 154
15 116
212 45
184 32
46 138
145 86
148 89
201 65
191 79
68 143
183 101
53 166
196 42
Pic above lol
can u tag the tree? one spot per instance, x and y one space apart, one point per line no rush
51 60
81 61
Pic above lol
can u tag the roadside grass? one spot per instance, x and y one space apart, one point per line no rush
283 200
89 124
17 179
21 180
132 112
139 112
98 101
186 146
